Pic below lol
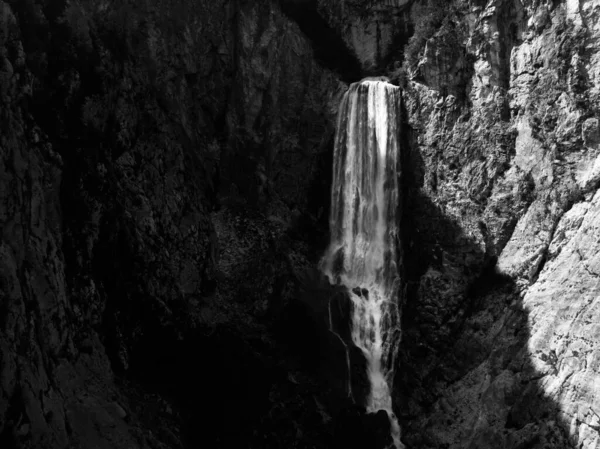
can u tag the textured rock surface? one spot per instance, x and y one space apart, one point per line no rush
371 29
118 123
164 185
500 344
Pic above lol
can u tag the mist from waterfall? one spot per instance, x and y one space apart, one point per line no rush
363 250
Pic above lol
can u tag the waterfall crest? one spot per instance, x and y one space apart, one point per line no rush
363 250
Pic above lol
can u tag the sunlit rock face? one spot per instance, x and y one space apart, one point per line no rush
501 230
563 307
363 252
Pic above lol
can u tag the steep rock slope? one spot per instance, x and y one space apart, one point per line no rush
372 29
121 122
499 336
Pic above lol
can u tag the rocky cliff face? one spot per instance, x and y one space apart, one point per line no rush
500 338
164 185
120 125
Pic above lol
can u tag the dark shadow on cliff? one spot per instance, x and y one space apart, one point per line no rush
274 381
461 318
330 50
315 325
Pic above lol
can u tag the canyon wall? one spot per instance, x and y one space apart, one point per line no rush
164 190
499 330
124 126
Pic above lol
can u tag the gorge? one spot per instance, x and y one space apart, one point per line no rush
183 253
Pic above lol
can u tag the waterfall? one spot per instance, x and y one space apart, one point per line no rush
363 250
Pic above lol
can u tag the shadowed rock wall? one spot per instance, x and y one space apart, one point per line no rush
121 123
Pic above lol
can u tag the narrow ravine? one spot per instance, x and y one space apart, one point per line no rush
364 248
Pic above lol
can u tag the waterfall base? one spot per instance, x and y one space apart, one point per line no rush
369 306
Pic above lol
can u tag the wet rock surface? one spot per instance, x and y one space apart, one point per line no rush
355 429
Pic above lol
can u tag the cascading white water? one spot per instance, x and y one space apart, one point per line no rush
362 254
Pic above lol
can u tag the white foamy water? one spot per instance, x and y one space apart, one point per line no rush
364 230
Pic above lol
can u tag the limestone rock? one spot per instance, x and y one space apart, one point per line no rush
499 318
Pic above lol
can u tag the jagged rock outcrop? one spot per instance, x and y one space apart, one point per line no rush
500 346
